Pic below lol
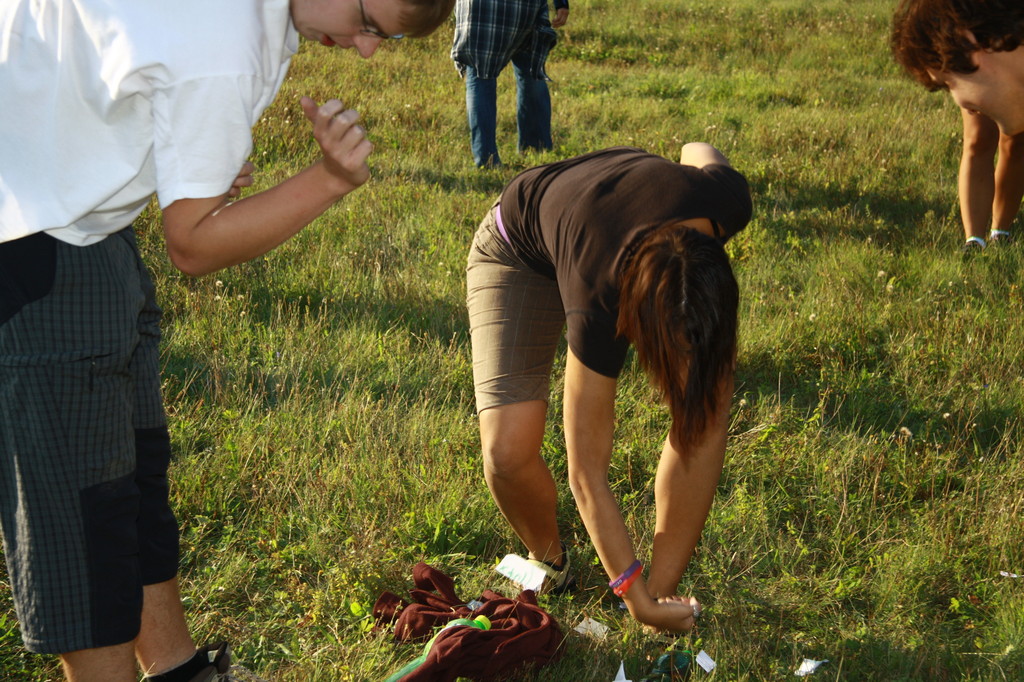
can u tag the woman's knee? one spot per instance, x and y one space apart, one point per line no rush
507 460
1012 146
981 136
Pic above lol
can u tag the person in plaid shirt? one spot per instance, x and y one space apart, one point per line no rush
488 35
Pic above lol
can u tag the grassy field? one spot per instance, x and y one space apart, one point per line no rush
320 398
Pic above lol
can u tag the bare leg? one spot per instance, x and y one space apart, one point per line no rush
1009 181
976 180
104 664
519 480
164 641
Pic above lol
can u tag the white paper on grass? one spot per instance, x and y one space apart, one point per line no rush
809 666
589 626
621 675
705 661
522 572
1007 574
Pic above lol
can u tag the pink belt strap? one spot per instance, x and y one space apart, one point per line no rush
501 226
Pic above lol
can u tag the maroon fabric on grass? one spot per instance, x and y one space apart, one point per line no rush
521 634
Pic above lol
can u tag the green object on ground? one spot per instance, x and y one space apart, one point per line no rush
480 622
671 665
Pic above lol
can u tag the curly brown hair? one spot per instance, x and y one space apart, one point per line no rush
678 304
934 36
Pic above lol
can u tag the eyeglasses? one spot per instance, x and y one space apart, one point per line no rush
375 32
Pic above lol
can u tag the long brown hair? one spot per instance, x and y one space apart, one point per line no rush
930 36
678 304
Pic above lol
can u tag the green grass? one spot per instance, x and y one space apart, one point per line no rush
320 398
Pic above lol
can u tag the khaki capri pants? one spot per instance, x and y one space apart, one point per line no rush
515 321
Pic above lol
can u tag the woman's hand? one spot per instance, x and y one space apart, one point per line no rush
670 614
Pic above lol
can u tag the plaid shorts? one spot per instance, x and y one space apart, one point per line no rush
84 447
515 322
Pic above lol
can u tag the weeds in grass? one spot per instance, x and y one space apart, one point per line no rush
320 398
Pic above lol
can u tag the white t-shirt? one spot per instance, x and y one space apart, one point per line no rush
104 102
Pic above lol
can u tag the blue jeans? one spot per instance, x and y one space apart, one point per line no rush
533 114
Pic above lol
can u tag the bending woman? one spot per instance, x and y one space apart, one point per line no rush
618 247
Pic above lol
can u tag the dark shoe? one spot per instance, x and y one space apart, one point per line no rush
220 668
219 658
560 578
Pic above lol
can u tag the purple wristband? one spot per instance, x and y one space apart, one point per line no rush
626 575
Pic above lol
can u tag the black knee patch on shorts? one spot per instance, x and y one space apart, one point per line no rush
27 269
158 528
109 513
